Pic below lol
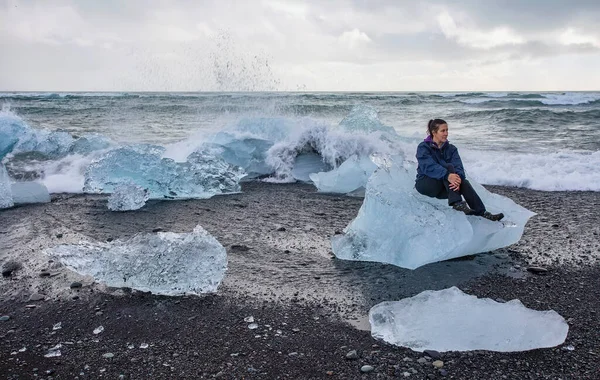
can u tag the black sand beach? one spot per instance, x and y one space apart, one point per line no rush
310 307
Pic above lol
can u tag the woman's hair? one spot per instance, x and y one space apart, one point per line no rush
434 125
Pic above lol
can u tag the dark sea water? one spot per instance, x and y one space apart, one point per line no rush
546 141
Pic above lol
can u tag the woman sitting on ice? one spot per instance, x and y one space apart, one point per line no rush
440 173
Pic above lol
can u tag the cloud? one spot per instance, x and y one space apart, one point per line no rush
289 44
353 38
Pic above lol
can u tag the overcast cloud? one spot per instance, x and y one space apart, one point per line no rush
352 45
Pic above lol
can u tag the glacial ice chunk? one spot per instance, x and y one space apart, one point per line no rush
450 320
351 175
201 176
30 192
127 197
399 226
248 153
165 263
307 163
6 197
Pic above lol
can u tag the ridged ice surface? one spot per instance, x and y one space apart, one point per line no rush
127 197
450 320
202 175
164 263
351 175
397 225
6 198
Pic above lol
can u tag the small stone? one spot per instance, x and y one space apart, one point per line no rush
98 330
37 297
406 374
144 345
537 270
59 236
443 372
57 326
366 369
329 373
76 285
9 267
432 354
44 273
30 306
108 355
407 359
253 326
249 319
219 374
352 355
240 247
438 364
4 318
422 360
279 228
157 229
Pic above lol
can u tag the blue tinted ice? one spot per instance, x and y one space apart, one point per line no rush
399 226
201 176
351 175
164 263
6 198
127 197
29 192
450 320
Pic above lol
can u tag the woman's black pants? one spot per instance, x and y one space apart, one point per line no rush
440 188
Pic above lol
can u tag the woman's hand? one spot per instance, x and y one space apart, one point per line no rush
455 181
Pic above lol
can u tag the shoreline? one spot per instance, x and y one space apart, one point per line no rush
279 273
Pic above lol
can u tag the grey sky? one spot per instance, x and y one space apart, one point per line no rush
352 45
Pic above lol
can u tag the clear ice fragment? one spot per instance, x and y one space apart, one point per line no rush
6 197
350 176
127 197
163 263
203 175
450 320
29 192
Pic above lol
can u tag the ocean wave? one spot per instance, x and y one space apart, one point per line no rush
529 116
558 171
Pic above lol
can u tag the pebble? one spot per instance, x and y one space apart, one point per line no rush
352 355
4 318
98 330
537 270
432 354
76 285
9 267
59 236
443 372
30 306
406 374
366 369
279 228
249 319
438 364
44 273
37 297
108 355
422 360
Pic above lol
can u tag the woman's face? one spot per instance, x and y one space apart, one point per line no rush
441 135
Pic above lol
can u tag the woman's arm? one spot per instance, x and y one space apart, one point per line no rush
457 163
428 165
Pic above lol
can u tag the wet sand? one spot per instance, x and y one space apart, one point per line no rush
310 307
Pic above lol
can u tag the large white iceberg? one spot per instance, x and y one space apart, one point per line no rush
6 198
202 175
450 320
399 226
164 263
351 175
